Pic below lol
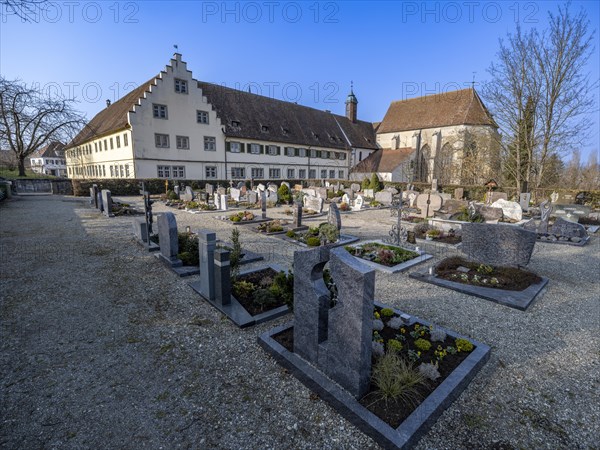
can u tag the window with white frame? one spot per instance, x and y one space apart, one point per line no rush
274 173
324 154
312 173
210 171
181 86
159 111
96 147
163 171
313 153
178 171
323 173
290 151
272 150
255 149
238 172
103 170
118 138
257 172
210 144
235 147
112 171
161 140
202 116
302 152
112 144
183 142
105 144
122 171
332 174
126 170
125 139
302 173
291 173
340 174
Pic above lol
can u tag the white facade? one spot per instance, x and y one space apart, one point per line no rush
173 132
54 166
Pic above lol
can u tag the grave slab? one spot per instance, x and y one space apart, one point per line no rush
398 267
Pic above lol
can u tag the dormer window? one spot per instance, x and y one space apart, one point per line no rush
235 123
315 135
285 131
264 128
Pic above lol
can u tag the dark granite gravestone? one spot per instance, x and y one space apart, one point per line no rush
207 243
571 213
107 203
263 204
333 216
92 197
297 215
167 236
337 340
565 228
222 277
497 245
99 201
96 191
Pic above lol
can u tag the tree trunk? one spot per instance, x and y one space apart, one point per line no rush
22 166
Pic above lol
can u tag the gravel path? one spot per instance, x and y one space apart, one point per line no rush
101 346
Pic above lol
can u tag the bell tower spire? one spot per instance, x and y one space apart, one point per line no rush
351 104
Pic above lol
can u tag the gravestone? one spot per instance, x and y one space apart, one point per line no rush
454 206
565 198
272 187
96 190
490 214
263 204
261 187
565 228
207 243
167 237
412 196
393 190
189 191
241 184
524 199
176 190
355 187
346 199
297 187
99 201
92 197
497 245
209 188
313 203
321 192
491 197
545 211
459 193
369 193
510 210
140 229
554 197
235 194
310 191
434 185
272 197
251 197
358 203
217 201
333 216
221 190
428 204
107 203
445 196
297 215
222 277
223 203
337 340
571 213
384 197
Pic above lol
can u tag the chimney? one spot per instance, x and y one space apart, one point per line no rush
107 103
351 105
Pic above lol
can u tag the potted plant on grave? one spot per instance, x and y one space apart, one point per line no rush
430 235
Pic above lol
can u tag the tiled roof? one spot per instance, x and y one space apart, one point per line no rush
463 107
383 160
53 150
113 117
251 116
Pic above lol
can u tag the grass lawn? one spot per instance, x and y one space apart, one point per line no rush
14 174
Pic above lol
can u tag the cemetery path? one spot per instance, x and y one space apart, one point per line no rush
102 346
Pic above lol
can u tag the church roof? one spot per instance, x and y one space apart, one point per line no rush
250 116
383 160
114 117
462 107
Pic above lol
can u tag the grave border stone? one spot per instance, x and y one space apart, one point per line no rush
421 419
398 267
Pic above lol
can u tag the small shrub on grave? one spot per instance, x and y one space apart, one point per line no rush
394 345
375 204
283 287
313 241
365 183
433 233
375 184
192 205
291 234
243 289
423 344
464 216
284 194
463 345
187 259
420 229
386 313
235 254
263 298
171 195
329 233
397 379
188 247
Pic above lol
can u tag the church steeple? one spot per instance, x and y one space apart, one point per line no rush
351 104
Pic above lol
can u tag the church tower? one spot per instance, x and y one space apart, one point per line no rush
351 105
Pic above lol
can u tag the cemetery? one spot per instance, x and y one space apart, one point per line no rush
389 364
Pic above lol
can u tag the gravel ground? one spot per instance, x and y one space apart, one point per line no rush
102 346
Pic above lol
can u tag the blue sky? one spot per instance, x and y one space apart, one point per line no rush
307 52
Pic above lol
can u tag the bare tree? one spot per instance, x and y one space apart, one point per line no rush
21 8
31 119
541 94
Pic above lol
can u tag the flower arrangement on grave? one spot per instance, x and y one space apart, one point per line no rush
344 207
188 248
241 216
263 290
387 255
325 234
192 205
273 226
